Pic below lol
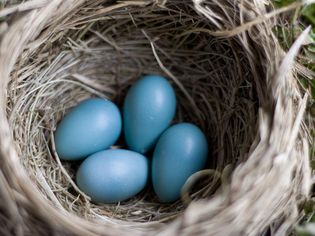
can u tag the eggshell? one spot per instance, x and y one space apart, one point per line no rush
180 151
148 110
93 125
113 175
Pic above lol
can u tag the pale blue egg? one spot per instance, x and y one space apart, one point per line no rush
113 175
148 110
180 151
93 125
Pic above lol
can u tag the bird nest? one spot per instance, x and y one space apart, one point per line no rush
231 78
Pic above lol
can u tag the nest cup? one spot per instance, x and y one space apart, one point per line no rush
231 78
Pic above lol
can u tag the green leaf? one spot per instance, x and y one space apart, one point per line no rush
311 48
282 3
307 230
308 13
309 205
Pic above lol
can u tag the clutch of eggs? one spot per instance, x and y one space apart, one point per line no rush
107 175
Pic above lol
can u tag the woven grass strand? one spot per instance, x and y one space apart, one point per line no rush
237 85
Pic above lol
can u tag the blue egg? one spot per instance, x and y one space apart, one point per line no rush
93 125
181 151
113 175
148 110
